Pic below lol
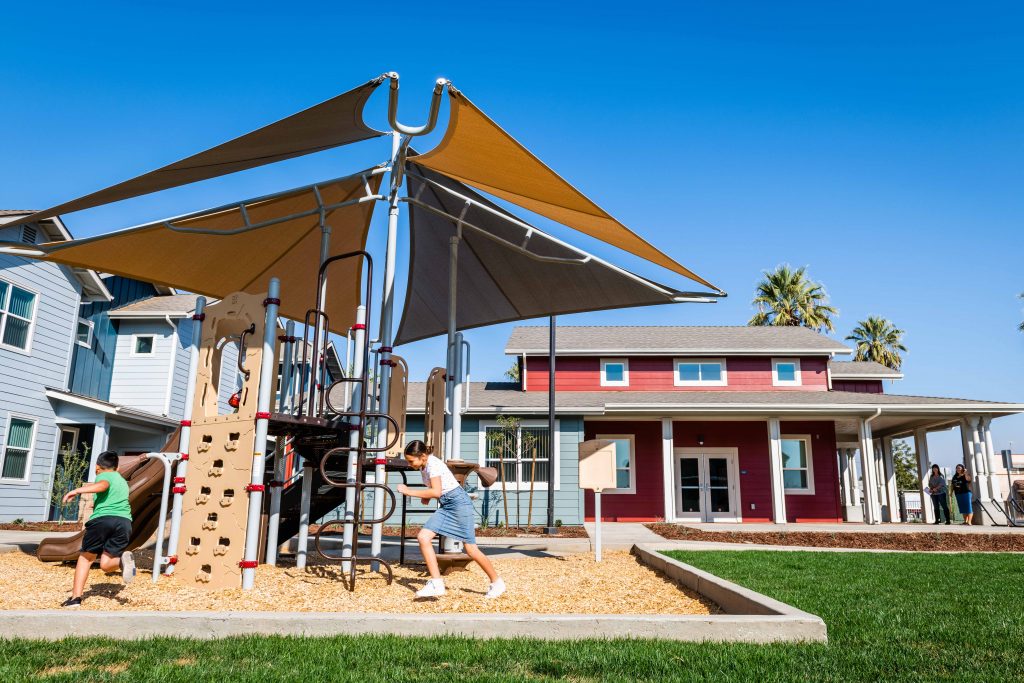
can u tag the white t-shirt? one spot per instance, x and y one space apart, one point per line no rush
435 467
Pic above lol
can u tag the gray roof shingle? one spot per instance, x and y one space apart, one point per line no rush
162 305
673 340
861 369
497 397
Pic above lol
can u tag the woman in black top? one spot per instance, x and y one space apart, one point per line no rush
962 490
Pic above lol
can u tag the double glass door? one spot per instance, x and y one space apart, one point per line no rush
706 485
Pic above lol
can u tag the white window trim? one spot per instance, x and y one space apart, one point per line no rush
632 462
625 372
27 480
92 330
135 343
808 442
700 382
538 486
785 383
31 323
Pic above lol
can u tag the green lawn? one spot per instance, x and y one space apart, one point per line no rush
890 617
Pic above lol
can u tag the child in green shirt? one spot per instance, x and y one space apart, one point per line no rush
108 530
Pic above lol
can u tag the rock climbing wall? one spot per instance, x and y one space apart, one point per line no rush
221 448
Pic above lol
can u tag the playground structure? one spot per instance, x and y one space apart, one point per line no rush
344 436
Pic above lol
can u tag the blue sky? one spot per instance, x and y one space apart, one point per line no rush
877 143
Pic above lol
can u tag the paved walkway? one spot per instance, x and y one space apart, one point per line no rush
622 535
848 527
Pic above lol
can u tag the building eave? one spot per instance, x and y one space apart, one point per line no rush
680 352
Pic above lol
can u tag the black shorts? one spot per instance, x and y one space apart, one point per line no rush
108 535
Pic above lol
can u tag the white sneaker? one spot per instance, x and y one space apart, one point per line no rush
127 566
496 589
433 589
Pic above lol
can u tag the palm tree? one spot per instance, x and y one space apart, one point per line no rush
787 297
878 339
1021 326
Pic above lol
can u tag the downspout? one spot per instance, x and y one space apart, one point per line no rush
170 371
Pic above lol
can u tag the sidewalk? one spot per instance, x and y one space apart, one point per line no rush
622 535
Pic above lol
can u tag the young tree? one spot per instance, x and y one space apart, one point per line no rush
877 339
787 297
905 464
69 474
507 445
512 374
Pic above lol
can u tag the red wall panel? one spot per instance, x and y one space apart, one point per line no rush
651 373
864 386
750 438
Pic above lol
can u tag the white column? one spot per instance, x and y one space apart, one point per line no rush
971 448
981 490
775 468
994 484
667 470
923 468
891 491
844 477
867 464
855 499
100 436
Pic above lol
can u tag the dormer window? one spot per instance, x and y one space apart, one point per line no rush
614 372
786 372
700 372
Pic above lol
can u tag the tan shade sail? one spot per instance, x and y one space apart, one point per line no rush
476 151
218 264
507 270
336 122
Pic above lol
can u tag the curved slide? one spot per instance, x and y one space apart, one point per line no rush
145 480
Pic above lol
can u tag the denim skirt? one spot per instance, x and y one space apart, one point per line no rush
963 503
455 518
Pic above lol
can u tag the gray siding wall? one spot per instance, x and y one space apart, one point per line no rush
24 377
181 361
489 504
141 381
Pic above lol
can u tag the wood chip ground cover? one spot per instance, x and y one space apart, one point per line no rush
573 584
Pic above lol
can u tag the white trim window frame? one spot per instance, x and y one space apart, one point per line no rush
6 297
631 438
522 482
135 344
806 439
797 379
722 381
624 382
90 328
26 478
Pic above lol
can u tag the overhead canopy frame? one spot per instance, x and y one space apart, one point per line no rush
476 151
507 269
240 246
335 122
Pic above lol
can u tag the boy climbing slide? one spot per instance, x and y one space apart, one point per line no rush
108 530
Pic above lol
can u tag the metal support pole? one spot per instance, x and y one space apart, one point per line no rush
274 521
386 340
597 526
159 559
553 445
181 471
307 496
358 391
268 368
451 437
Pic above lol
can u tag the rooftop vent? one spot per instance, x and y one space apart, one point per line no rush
29 234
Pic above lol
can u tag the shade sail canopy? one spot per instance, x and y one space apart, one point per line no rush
476 151
336 122
240 247
507 269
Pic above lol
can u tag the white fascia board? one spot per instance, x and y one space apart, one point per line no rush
679 352
109 408
148 314
892 409
835 375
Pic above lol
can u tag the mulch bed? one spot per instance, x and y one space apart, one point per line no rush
489 532
40 526
923 541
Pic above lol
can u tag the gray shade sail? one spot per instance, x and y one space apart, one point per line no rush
507 269
335 122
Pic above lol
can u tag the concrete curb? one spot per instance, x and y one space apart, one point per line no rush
789 623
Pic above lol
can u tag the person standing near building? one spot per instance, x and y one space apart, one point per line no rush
962 490
940 496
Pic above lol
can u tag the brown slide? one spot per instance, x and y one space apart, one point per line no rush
145 481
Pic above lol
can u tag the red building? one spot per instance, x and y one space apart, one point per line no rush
733 424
